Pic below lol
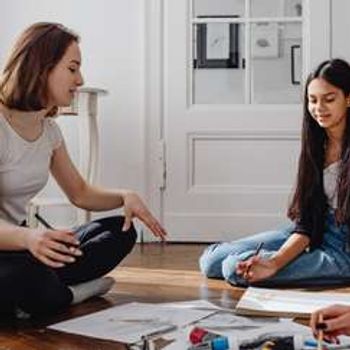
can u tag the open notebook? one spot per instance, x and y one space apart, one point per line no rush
286 303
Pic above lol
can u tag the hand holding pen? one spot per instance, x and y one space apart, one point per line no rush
256 254
330 322
244 267
256 269
54 248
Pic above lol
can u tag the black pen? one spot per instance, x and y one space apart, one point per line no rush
43 221
47 225
161 331
257 251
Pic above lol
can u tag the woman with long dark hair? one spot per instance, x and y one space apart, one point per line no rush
315 249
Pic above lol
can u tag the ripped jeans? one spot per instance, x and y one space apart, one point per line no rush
327 265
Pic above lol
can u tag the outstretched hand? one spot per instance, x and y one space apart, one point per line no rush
256 269
134 207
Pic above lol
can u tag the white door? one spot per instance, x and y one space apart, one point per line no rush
340 22
230 111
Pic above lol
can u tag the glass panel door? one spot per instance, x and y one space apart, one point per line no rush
246 51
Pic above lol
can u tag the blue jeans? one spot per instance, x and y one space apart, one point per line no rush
38 289
327 265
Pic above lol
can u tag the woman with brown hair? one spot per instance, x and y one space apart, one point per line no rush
45 270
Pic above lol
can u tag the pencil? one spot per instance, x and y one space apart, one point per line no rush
256 253
43 221
320 334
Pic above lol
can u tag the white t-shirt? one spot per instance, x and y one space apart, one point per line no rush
330 183
24 167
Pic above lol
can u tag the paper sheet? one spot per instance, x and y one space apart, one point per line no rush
127 323
222 321
198 304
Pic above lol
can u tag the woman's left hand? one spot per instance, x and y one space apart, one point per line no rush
335 322
134 207
256 269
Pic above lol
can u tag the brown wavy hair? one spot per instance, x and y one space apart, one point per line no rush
309 202
23 81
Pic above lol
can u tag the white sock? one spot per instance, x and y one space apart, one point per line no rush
86 290
21 315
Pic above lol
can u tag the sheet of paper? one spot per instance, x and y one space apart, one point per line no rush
127 323
282 302
228 320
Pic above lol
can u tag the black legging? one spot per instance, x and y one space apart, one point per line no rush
36 288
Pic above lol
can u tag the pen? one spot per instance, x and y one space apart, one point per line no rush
257 251
165 329
72 248
43 221
147 340
320 334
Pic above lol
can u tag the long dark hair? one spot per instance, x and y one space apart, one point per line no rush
309 202
23 82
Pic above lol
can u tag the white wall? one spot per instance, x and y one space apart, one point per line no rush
112 43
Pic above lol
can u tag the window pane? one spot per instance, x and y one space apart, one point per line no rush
293 8
276 8
266 8
218 67
218 8
276 62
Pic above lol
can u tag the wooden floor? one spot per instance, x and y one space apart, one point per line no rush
151 273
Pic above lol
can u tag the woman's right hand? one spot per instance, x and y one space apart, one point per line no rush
54 248
256 269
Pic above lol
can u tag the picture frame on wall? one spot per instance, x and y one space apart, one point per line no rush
217 44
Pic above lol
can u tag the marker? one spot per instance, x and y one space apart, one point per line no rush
310 343
274 343
218 343
201 335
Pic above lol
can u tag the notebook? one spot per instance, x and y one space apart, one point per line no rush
286 303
